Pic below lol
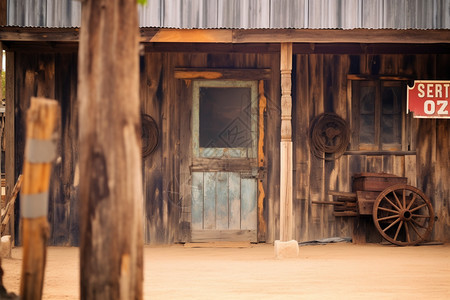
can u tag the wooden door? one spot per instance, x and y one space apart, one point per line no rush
224 169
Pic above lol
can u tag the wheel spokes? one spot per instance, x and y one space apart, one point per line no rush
398 230
418 207
388 210
397 200
412 201
404 218
420 225
408 238
415 229
390 202
389 217
404 198
392 224
421 216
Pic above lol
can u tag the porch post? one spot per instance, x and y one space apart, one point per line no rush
286 144
286 247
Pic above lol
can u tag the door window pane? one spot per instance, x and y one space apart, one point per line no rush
225 117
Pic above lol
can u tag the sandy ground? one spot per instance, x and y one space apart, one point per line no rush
334 271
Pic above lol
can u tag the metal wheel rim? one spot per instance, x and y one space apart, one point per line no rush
403 215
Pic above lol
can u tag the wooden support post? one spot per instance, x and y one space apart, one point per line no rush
1 70
10 166
39 154
3 10
262 227
9 207
111 193
286 219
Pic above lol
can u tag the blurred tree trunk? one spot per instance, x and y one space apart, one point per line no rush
110 152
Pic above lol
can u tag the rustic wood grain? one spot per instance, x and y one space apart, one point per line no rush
111 250
235 74
10 135
262 225
286 162
9 205
41 121
317 79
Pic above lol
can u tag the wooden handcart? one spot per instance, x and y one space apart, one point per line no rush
402 214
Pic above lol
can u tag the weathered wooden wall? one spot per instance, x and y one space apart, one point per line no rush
321 86
167 174
51 75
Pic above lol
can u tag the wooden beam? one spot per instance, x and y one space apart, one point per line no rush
214 47
39 34
35 47
298 48
166 35
192 35
237 74
341 36
286 164
363 48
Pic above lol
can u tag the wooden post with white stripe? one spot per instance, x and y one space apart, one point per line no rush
40 151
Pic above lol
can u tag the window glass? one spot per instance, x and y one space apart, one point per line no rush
391 109
225 117
379 113
367 115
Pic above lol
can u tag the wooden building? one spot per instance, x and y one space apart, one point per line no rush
213 76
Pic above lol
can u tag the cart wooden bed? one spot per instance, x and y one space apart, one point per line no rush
402 214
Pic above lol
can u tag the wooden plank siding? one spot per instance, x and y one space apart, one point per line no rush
320 84
168 172
53 76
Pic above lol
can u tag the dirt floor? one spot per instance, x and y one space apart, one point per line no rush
334 271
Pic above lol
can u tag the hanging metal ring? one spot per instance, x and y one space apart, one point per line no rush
329 136
150 135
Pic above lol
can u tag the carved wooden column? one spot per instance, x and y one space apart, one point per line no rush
286 220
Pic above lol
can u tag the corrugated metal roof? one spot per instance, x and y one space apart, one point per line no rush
45 13
251 14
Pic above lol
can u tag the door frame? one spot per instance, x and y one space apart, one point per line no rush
265 79
200 152
240 162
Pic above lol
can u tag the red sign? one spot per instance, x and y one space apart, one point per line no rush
429 99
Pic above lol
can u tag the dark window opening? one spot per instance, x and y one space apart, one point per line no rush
379 114
225 117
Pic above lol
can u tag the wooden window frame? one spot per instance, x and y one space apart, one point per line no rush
201 152
378 146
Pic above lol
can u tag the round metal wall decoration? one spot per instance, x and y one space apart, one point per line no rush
150 135
329 136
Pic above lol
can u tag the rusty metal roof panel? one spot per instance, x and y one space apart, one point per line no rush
251 14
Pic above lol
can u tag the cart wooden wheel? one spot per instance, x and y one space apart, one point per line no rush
403 215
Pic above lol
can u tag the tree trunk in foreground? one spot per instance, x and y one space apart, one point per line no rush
110 156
